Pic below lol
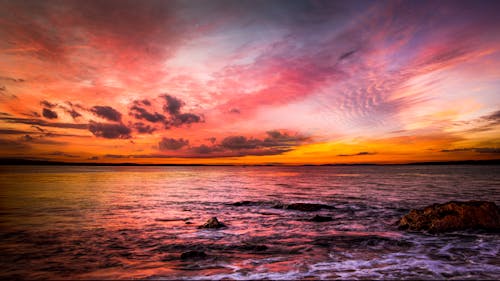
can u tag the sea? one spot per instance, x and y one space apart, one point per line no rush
117 222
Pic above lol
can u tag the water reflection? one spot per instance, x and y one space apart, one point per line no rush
135 222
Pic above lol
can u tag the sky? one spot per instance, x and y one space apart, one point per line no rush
249 82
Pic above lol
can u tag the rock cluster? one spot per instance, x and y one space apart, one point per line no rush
452 216
212 223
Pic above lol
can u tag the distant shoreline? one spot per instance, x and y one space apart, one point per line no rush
27 162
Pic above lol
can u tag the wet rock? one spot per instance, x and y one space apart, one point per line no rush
318 218
453 216
244 203
193 255
213 223
307 207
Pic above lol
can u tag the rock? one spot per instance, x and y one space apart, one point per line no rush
193 255
318 218
307 207
453 216
212 223
244 203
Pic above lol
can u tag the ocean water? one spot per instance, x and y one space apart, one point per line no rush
135 222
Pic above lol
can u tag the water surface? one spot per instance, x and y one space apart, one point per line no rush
134 222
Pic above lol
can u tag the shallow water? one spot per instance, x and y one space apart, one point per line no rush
134 222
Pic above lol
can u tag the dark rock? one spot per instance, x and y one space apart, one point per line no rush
244 203
212 223
318 218
307 207
453 216
193 255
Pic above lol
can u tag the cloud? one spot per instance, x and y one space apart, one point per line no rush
116 156
173 104
183 119
60 153
172 144
109 131
357 154
70 110
14 145
49 114
240 142
276 142
43 123
142 113
145 102
40 140
107 112
142 128
489 150
346 55
48 104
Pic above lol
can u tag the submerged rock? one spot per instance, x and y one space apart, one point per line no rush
453 216
193 255
245 203
318 218
213 223
307 207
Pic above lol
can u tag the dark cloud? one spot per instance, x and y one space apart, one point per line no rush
12 132
38 128
357 154
183 119
73 113
141 113
60 153
346 55
143 128
491 150
48 104
277 138
3 88
116 156
12 144
43 123
145 102
93 158
40 140
33 114
49 114
107 112
173 105
10 79
493 117
70 110
240 142
235 111
109 131
172 144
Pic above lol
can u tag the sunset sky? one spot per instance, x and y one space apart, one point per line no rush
250 82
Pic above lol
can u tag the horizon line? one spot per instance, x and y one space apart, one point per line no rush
36 162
